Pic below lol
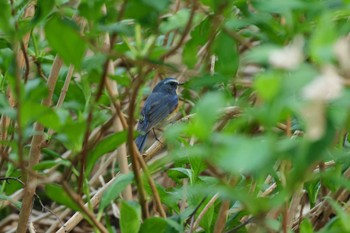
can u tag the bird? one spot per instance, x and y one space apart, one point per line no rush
158 108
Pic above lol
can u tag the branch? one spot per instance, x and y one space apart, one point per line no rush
132 147
99 92
185 32
153 187
221 219
26 60
204 211
34 153
63 93
76 198
93 202
119 122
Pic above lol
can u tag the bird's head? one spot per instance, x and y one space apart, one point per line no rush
168 85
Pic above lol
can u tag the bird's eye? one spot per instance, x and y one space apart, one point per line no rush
173 84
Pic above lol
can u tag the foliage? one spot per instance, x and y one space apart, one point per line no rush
260 143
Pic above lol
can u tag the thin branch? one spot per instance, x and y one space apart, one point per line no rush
84 152
132 146
63 93
98 95
118 126
34 153
111 44
237 37
93 202
39 69
76 198
26 59
153 187
185 32
221 219
11 178
65 86
204 211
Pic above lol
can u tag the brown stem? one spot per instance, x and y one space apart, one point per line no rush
221 219
118 126
84 152
184 34
153 187
237 37
76 198
26 60
132 147
285 218
34 153
98 95
203 212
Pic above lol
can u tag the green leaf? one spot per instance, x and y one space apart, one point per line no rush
159 225
146 12
120 27
71 132
130 217
215 4
88 10
179 173
158 5
279 6
238 154
178 20
115 189
5 17
199 36
43 8
322 40
341 213
202 124
4 43
49 164
106 145
207 219
38 112
197 165
306 226
56 193
63 36
268 85
226 51
17 204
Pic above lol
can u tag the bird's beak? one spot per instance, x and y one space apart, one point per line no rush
180 84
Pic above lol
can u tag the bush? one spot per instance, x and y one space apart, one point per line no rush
259 143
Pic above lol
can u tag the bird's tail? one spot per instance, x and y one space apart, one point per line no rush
140 141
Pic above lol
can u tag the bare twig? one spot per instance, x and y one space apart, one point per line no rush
34 153
98 95
204 211
74 196
132 147
238 38
77 217
153 187
221 219
112 90
63 92
26 59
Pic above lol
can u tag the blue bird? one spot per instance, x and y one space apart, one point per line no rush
158 107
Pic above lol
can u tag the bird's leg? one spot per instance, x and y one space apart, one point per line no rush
155 135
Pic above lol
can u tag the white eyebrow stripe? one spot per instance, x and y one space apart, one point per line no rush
171 81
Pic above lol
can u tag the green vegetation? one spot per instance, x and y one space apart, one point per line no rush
259 144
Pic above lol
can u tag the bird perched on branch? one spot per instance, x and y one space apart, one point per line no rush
158 108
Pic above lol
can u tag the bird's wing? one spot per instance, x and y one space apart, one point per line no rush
157 107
